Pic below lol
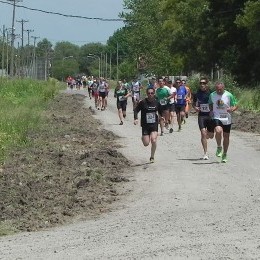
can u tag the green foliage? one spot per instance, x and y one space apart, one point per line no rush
250 20
21 104
249 100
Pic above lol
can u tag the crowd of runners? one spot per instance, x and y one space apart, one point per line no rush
97 88
166 103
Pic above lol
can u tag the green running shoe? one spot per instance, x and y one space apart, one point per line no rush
219 152
224 158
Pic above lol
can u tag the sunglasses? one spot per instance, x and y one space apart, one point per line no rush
178 82
203 82
150 93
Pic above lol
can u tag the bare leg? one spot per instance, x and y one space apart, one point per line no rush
204 140
225 142
218 135
153 138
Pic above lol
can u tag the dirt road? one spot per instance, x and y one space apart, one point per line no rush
180 207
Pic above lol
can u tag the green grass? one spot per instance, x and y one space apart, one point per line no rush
248 98
21 105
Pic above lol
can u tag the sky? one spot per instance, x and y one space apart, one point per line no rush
58 28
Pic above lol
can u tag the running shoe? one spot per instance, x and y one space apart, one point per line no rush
205 157
171 130
224 158
179 129
183 122
219 152
167 126
151 160
121 123
161 133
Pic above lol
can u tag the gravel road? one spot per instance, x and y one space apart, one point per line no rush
180 207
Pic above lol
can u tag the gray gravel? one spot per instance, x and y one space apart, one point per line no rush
180 207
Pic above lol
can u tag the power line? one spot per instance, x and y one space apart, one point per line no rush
69 15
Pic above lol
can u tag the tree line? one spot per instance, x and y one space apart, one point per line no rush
165 37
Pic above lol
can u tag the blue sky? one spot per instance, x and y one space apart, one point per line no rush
58 28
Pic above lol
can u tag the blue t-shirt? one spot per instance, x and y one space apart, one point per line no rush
180 96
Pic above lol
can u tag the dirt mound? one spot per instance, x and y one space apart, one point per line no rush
246 121
71 168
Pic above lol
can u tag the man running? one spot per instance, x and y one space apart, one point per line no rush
181 95
136 92
188 98
201 105
149 120
102 88
172 105
222 104
163 95
121 94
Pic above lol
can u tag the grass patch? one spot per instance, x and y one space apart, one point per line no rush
21 105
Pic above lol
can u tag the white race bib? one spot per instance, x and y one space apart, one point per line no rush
136 96
204 107
163 102
223 117
150 118
121 98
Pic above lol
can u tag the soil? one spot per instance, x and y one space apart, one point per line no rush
71 169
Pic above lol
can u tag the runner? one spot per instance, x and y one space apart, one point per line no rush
188 99
180 102
107 92
90 85
163 95
84 81
102 88
201 105
222 104
149 120
136 91
121 94
172 105
95 92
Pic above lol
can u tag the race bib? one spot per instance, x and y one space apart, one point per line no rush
150 118
136 96
121 98
223 117
163 102
179 96
204 107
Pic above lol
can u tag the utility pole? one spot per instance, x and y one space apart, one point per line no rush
22 22
13 37
34 56
3 51
28 34
22 61
28 50
117 56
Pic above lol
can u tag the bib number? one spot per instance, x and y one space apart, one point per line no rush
150 118
204 107
136 96
223 117
163 102
121 98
